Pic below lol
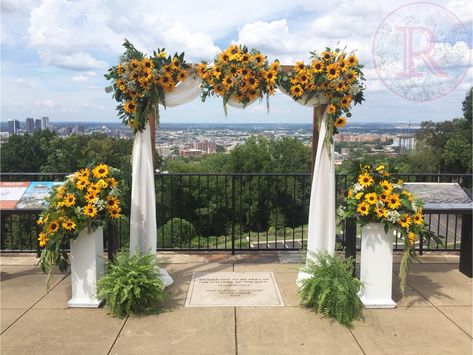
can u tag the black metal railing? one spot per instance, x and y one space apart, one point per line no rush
232 211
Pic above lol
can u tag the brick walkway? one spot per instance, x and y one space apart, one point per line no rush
435 317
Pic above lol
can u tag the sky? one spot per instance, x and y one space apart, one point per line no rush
54 53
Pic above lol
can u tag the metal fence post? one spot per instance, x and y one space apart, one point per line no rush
233 214
112 240
465 250
350 241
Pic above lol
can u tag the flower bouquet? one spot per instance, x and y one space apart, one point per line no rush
239 76
139 83
87 199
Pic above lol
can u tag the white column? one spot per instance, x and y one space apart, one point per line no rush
87 266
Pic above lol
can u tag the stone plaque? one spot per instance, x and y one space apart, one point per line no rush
233 289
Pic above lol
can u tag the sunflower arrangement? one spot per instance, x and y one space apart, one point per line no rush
377 197
239 75
87 199
140 82
336 74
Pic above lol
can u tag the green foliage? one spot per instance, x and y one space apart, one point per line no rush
132 284
176 232
277 220
331 289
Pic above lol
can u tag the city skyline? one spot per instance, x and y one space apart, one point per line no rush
53 64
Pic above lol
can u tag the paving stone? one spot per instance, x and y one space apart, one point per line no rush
290 330
9 316
68 331
179 258
184 331
275 267
287 286
461 316
415 330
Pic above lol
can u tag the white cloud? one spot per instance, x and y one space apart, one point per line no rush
45 103
82 77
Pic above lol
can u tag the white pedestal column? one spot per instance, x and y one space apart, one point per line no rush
87 266
376 269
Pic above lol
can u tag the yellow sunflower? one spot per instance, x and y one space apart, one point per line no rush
43 239
363 208
381 212
405 221
90 196
53 227
340 122
418 218
371 198
101 183
69 200
317 66
359 195
386 185
351 61
365 180
296 90
345 101
115 212
333 71
90 210
69 225
331 109
83 173
393 201
259 59
130 107
112 201
411 237
327 56
100 171
383 196
112 182
299 66
81 184
350 75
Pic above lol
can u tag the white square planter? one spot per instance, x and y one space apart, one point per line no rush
376 269
87 266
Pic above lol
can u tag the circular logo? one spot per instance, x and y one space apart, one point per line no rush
421 51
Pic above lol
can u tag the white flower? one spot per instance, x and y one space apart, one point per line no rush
354 89
357 188
414 206
393 216
379 203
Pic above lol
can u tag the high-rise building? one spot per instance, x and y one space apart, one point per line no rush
37 124
45 123
78 129
13 127
29 125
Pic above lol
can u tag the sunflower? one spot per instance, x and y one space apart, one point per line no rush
69 200
112 182
259 59
100 171
371 198
333 71
331 109
228 82
270 77
299 66
130 107
112 201
327 56
350 75
83 173
393 201
317 66
252 83
202 70
101 183
381 212
383 196
386 185
405 221
232 49
409 196
359 195
90 210
217 72
365 180
245 57
297 91
134 64
69 225
411 237
53 227
340 86
147 64
90 197
224 57
340 122
303 77
363 208
350 192
418 218
43 239
351 61
93 189
346 101
115 212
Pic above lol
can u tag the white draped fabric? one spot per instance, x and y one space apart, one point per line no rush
185 92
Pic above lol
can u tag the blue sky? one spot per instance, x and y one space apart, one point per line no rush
54 53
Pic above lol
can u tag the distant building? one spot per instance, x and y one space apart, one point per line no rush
78 129
45 123
190 153
13 127
206 147
164 150
29 125
37 124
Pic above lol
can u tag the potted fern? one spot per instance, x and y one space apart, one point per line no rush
331 288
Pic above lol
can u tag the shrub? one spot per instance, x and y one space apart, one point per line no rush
331 289
132 284
176 232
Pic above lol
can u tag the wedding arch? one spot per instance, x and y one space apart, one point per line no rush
329 84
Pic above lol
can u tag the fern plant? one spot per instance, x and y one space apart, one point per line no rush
132 284
331 289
